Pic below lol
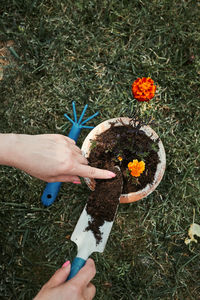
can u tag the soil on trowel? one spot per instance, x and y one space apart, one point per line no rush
103 202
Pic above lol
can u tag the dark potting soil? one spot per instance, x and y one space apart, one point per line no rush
103 202
129 143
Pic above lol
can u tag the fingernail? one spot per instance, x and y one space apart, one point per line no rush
76 182
66 264
111 174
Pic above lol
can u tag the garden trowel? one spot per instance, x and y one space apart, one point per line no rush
85 239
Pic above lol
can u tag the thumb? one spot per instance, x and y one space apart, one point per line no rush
60 275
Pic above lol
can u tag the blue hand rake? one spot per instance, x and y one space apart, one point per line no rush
51 190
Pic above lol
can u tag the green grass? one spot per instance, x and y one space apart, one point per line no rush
91 52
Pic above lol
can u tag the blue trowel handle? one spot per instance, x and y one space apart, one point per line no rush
77 264
51 190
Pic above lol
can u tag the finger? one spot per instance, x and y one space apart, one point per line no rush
82 160
88 171
90 291
65 178
59 277
70 143
60 138
70 140
86 274
75 149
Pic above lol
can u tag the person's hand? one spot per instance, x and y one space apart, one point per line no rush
52 157
77 288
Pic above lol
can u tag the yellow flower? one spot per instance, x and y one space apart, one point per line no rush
120 158
136 167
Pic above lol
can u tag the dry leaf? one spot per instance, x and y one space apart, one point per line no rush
4 56
193 230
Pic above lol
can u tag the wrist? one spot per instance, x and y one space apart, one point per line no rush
8 143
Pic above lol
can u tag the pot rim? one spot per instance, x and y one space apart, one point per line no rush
135 196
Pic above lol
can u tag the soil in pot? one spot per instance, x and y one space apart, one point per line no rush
103 202
126 143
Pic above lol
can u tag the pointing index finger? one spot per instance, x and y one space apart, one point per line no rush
90 172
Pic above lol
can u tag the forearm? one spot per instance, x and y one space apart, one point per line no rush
7 148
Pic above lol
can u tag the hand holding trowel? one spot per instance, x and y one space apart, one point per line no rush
94 225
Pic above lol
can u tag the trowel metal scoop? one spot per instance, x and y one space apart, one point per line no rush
86 241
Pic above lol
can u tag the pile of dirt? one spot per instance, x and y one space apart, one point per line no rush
103 202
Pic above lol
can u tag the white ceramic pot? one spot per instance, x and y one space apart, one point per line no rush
131 197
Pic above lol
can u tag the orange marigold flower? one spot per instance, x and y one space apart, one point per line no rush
143 89
136 167
120 158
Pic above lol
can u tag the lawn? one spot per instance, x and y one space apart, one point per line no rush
91 52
